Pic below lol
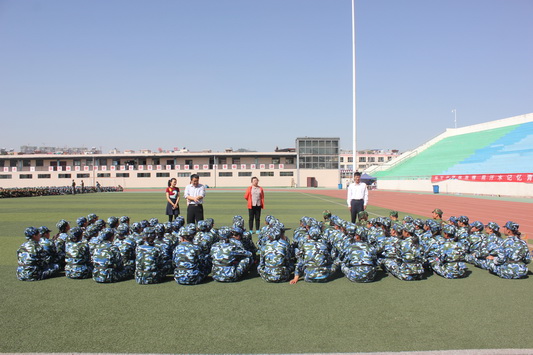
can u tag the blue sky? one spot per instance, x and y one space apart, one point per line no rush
256 74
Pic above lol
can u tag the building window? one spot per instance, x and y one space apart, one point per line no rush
162 175
189 163
289 160
371 159
245 173
236 161
64 176
267 173
204 174
362 159
286 173
143 175
184 175
25 176
39 162
275 160
103 175
83 176
225 174
123 175
44 176
381 160
5 176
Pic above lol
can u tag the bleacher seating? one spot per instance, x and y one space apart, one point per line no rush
506 149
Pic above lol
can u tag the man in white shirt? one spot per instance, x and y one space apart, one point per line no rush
194 195
357 196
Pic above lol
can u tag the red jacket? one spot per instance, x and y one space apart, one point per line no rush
248 197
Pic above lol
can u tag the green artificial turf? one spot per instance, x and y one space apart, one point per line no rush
251 316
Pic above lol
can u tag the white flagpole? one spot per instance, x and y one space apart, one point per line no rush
354 147
455 117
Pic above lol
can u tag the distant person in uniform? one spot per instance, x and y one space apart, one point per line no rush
357 196
73 187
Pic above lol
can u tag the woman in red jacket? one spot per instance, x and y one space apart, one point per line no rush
256 201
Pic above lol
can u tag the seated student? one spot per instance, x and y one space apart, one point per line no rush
476 240
77 256
275 264
190 262
490 246
31 259
49 247
314 259
408 265
447 256
60 239
107 261
513 255
230 260
148 260
386 246
126 245
359 260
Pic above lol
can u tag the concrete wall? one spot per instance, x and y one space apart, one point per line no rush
281 178
513 189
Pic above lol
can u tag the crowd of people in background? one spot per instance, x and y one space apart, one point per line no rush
54 190
148 251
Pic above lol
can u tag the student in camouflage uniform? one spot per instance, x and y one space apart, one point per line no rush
358 257
48 245
437 215
447 256
314 259
165 245
60 239
513 255
490 246
148 260
408 265
77 256
107 261
362 217
190 266
31 259
275 264
126 245
230 260
386 246
476 240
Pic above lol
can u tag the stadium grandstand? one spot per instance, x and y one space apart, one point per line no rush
493 158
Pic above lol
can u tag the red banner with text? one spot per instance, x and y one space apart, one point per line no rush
523 177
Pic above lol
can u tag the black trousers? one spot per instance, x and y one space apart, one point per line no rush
254 214
356 207
195 213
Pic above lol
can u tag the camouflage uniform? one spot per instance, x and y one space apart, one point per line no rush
476 240
275 264
148 261
314 259
230 260
409 258
77 256
166 247
126 245
107 260
189 264
48 245
447 256
490 247
359 260
59 240
31 263
512 259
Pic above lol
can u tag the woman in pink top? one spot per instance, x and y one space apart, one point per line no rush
256 202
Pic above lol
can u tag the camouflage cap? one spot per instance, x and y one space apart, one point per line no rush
351 229
202 226
450 230
92 217
512 226
408 219
112 221
124 219
409 228
393 214
494 226
106 234
149 232
236 230
362 215
153 222
62 225
463 219
44 230
31 232
398 228
418 223
478 225
326 214
437 211
75 233
361 231
224 233
81 221
314 233
91 231
123 229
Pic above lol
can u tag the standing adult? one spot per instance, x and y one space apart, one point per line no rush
256 201
194 195
357 196
173 199
82 187
73 187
